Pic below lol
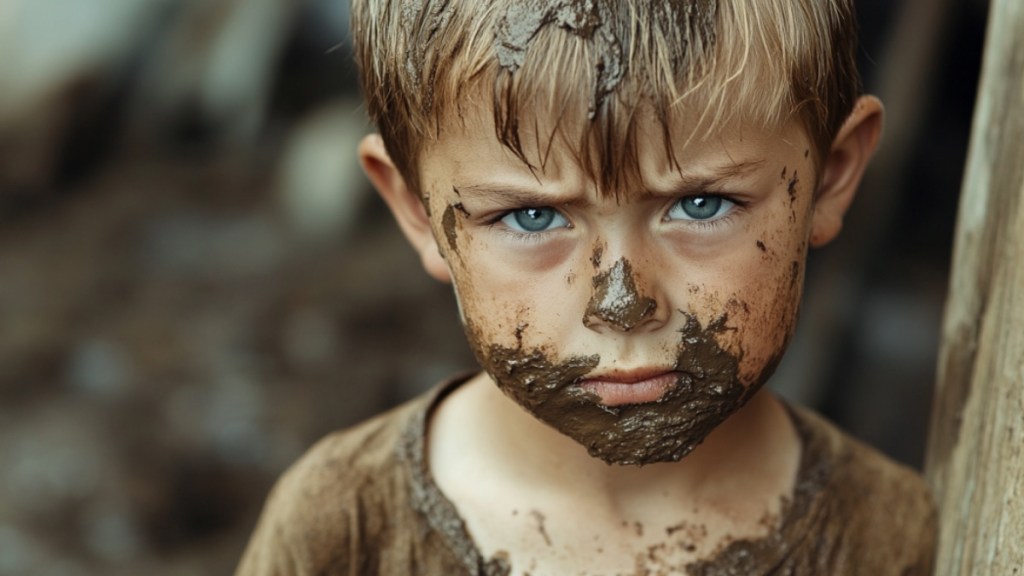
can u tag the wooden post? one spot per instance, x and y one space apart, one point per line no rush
975 460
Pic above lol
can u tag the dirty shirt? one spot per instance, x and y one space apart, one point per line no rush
362 502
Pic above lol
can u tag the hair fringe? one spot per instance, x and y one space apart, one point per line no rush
428 65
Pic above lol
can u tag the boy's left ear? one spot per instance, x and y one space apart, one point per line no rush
844 167
406 205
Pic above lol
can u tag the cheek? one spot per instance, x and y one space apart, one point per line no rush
495 310
765 303
509 303
771 321
765 312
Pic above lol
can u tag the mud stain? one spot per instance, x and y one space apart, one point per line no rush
595 258
498 565
458 205
588 19
616 300
707 391
428 19
687 536
450 224
539 518
791 188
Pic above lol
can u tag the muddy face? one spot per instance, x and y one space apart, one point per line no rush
705 306
706 392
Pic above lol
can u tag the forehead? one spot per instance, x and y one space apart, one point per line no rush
546 115
468 152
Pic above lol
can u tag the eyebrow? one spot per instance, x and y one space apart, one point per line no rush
695 184
678 184
519 195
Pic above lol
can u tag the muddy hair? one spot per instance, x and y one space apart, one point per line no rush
586 73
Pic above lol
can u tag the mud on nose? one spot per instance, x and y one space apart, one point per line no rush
616 301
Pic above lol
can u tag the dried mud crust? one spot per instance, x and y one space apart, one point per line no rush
616 299
706 393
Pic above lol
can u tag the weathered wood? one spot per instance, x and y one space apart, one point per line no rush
975 459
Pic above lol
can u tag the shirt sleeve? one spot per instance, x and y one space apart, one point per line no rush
305 527
277 546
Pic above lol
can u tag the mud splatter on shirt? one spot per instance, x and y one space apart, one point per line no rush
362 501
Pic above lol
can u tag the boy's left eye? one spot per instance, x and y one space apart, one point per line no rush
700 208
530 220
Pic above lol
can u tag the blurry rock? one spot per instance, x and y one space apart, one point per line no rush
320 185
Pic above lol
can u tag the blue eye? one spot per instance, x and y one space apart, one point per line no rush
531 220
700 208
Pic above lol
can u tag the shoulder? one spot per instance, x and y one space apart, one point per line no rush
886 510
343 461
335 495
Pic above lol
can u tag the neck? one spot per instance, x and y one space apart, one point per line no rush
754 453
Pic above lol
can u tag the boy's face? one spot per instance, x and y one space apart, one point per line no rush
634 326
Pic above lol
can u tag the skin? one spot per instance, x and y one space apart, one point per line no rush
658 280
701 306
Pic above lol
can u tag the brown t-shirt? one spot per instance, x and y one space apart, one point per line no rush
362 502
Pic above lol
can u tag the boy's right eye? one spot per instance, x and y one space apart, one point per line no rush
532 220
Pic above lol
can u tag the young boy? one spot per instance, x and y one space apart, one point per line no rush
622 194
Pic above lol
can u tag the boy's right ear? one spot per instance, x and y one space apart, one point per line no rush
406 206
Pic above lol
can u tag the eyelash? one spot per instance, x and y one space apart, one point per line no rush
494 222
706 225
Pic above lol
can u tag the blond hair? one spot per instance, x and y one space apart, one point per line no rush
592 68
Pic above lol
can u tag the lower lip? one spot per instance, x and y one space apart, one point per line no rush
623 393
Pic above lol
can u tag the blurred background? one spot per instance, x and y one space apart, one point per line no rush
196 282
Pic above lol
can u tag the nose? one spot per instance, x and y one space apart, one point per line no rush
617 302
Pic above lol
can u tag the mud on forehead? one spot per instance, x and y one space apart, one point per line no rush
591 79
581 75
590 63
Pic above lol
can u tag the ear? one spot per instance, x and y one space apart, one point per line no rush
844 167
406 206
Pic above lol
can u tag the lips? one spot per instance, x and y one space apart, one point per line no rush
630 387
